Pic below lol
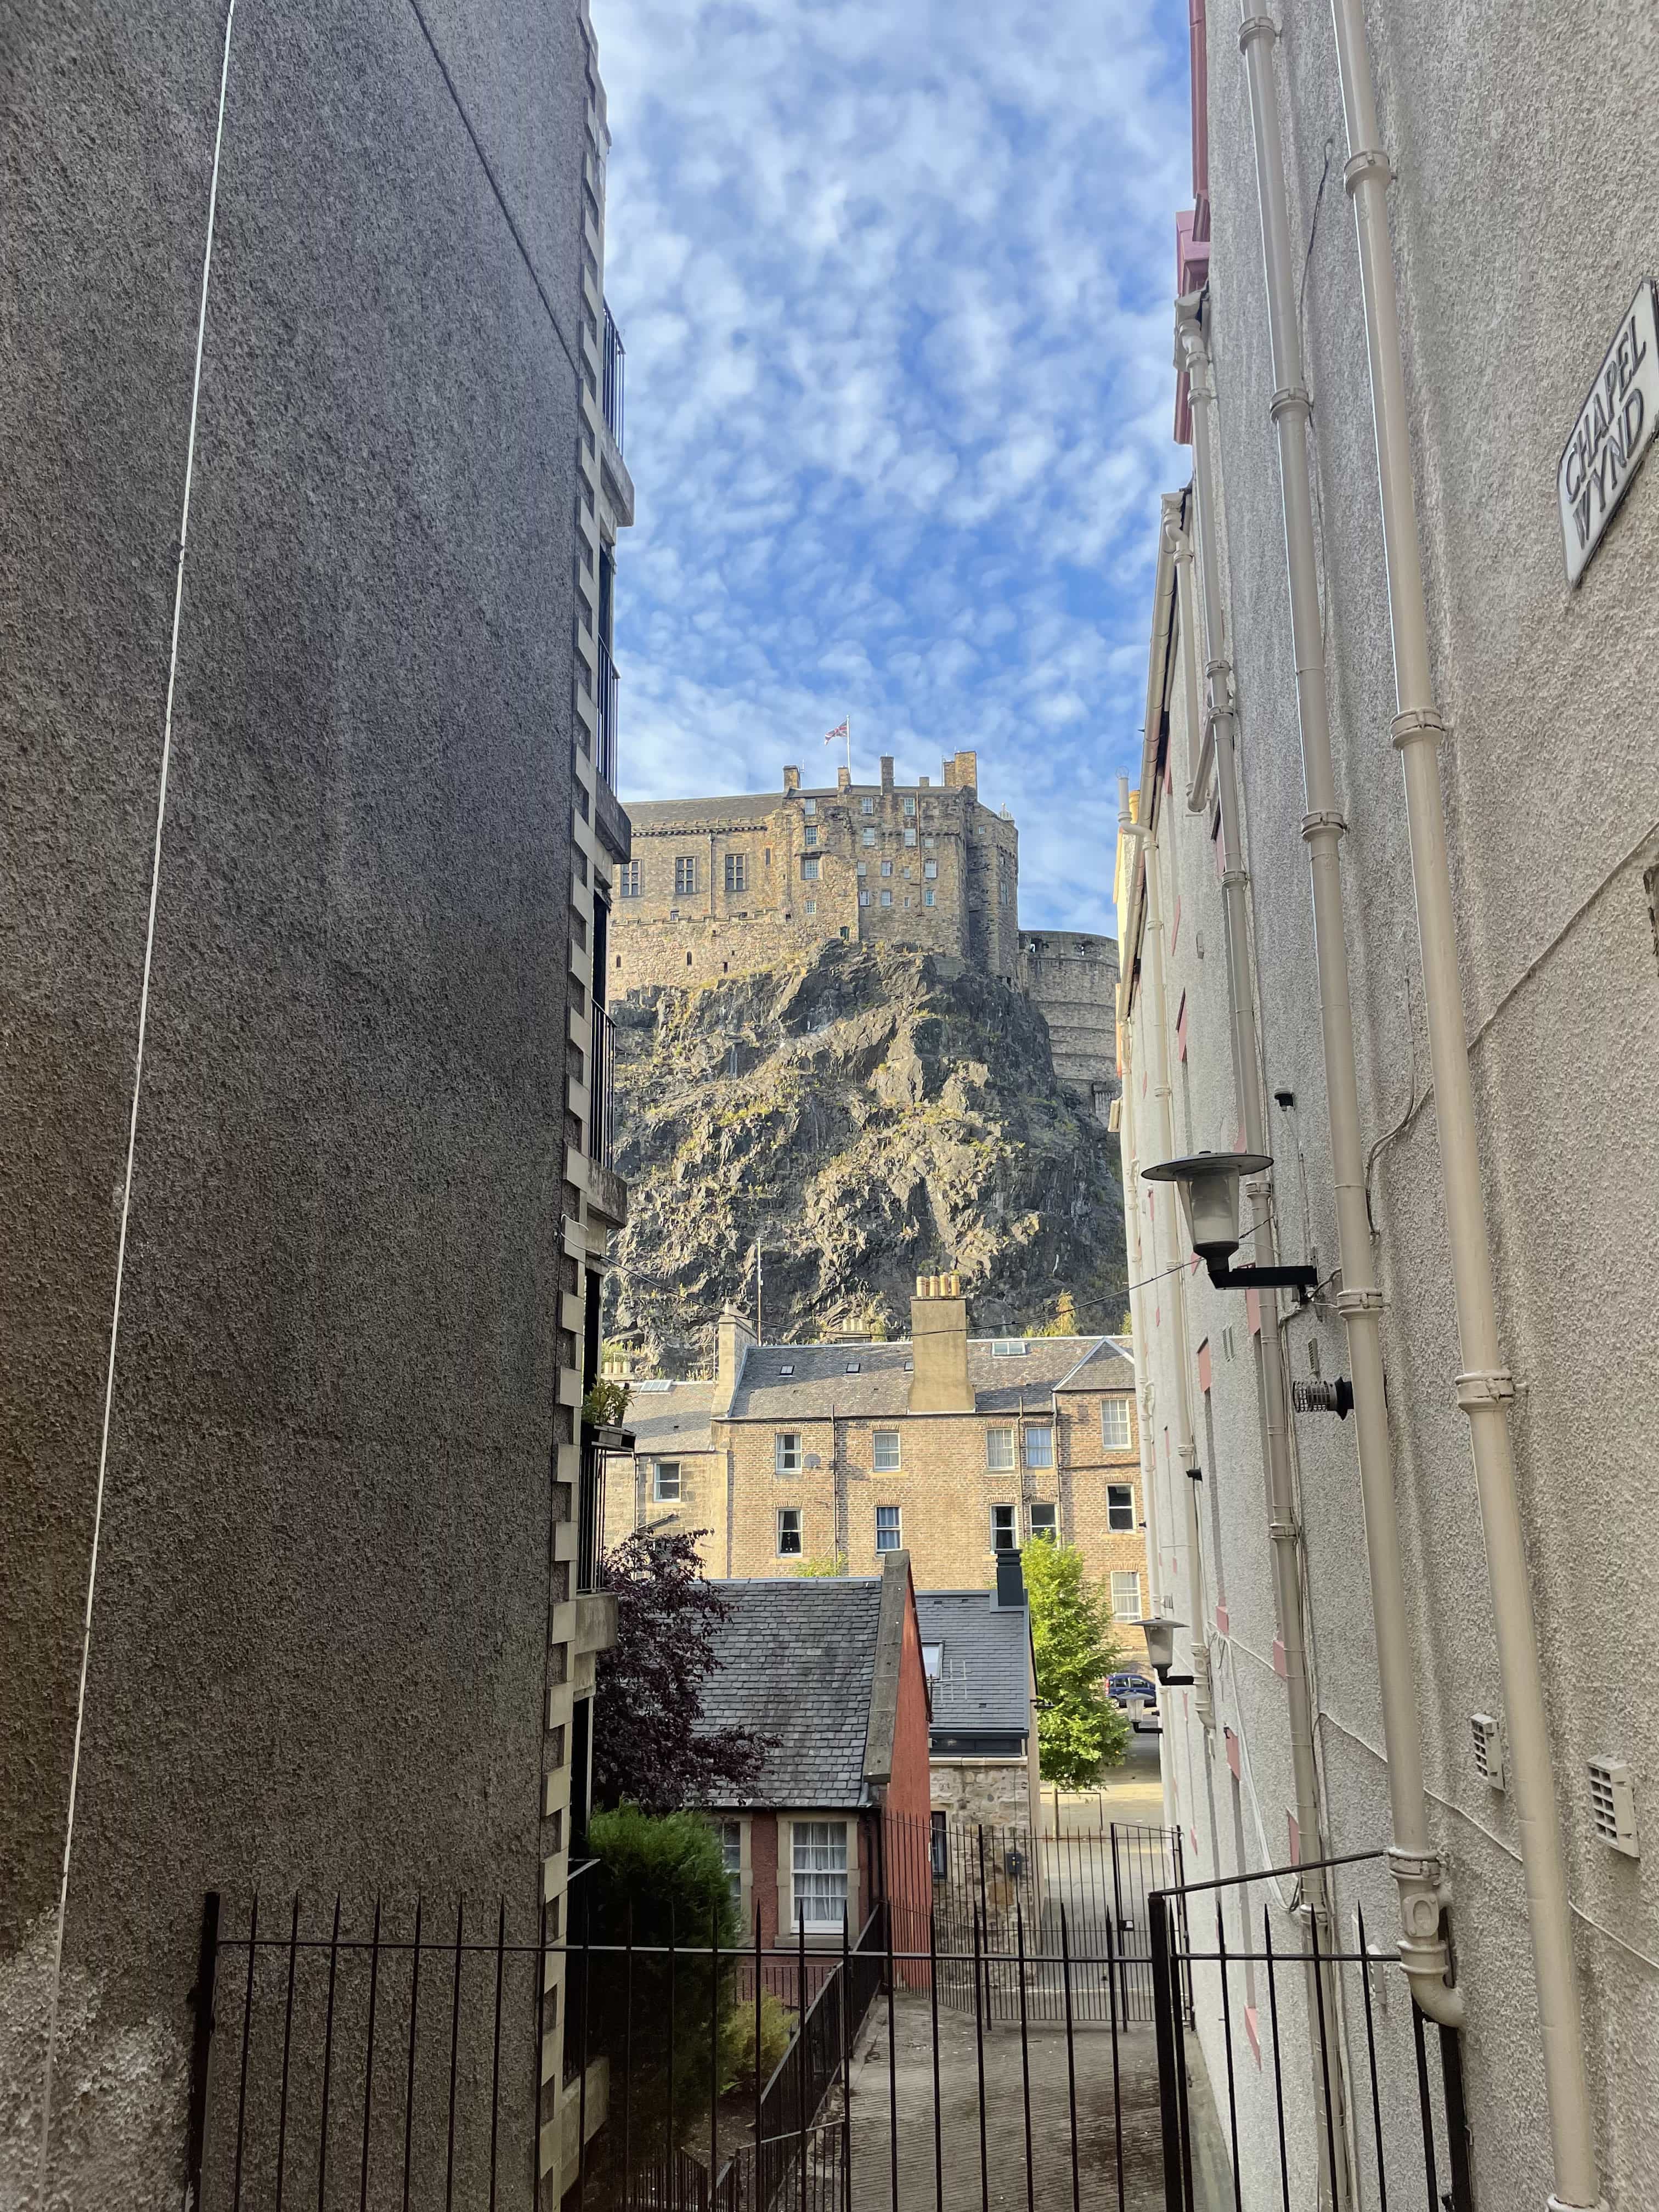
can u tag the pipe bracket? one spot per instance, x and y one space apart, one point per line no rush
1279 1532
1255 26
1234 876
1369 161
1326 818
1358 1302
1290 398
1412 728
1485 1386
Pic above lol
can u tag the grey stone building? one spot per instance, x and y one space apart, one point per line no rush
309 829
723 886
1072 975
1394 636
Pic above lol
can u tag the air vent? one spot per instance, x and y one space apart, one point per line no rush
1613 1805
1488 1735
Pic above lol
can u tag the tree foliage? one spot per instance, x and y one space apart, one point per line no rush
650 1748
1080 1731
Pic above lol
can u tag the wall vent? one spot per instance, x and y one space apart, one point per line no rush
1488 1735
1613 1805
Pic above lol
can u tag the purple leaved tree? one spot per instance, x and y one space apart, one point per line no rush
649 1746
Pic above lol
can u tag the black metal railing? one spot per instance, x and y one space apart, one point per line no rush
606 703
591 1573
1322 2054
601 1078
613 365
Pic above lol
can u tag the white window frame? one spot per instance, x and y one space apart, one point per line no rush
1120 1575
867 806
1010 1528
933 1661
910 807
789 1524
886 1451
887 867
1041 1455
869 838
1009 1347
894 1528
997 1441
864 898
1111 1410
812 832
731 1835
821 1868
1115 1490
660 1496
786 1454
887 898
808 867
928 896
909 836
809 807
930 869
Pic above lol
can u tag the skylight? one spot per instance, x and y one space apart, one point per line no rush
853 1366
1008 1347
787 1368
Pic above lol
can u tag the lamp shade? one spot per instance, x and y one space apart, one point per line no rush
1207 1185
1160 1641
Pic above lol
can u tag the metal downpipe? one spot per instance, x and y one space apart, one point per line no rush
1486 1381
1416 1867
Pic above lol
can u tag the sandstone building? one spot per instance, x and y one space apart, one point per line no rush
957 1450
723 886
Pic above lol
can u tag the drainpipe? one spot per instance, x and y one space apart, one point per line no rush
1169 1265
1200 731
1484 1382
1283 1532
1415 1867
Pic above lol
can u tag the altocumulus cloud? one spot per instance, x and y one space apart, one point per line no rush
895 286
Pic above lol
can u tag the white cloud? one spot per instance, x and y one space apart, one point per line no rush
894 289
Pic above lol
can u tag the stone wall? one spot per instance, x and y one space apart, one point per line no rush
1073 977
724 886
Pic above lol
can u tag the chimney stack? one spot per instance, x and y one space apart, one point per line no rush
939 1337
1011 1581
792 779
843 777
887 771
734 1338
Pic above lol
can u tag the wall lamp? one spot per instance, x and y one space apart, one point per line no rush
1160 1650
1207 1185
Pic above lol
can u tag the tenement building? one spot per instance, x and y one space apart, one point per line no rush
721 886
1383 935
957 1450
306 559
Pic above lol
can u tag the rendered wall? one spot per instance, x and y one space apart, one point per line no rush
327 1524
1517 247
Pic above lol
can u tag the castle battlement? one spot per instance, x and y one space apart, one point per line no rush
722 886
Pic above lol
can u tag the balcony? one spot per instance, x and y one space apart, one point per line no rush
613 365
590 1523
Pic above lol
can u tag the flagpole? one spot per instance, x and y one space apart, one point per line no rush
849 748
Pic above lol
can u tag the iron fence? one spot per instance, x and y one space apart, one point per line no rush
607 701
601 1078
1330 2096
591 1571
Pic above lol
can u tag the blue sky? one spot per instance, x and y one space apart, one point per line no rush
895 287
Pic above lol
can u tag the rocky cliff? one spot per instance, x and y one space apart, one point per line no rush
867 1116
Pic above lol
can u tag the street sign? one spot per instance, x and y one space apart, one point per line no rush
1615 426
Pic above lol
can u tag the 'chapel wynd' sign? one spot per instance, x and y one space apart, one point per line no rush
1610 440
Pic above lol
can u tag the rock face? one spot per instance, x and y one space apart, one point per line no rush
868 1115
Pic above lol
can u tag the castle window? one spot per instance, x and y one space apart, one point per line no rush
809 807
628 879
846 934
809 866
930 869
867 806
685 875
887 867
864 867
1120 1508
929 842
909 836
812 833
812 906
911 808
737 872
869 837
887 898
864 898
927 898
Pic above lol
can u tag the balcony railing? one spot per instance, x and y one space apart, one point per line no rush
601 1073
615 358
590 1523
607 685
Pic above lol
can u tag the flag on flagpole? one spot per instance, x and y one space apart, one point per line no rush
841 731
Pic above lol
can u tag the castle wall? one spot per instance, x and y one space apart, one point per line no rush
723 886
1073 977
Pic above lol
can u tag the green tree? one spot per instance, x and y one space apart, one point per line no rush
1078 1730
823 1569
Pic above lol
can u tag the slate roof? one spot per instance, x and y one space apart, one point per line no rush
798 1661
656 818
983 1684
672 1419
880 1385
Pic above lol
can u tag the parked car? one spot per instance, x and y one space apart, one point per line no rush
1136 1696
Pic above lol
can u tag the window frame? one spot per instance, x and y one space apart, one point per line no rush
736 874
631 878
789 1524
1116 1494
1033 1429
1010 1528
788 1451
993 1464
812 1841
1049 1530
1117 1404
878 1465
1122 1574
894 1528
658 1495
685 875
811 868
